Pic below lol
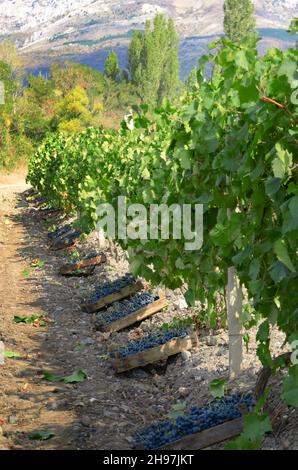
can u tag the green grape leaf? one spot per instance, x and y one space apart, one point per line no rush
217 387
256 425
290 387
11 354
41 436
78 376
280 249
282 163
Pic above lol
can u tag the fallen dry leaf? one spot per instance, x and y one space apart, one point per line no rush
26 387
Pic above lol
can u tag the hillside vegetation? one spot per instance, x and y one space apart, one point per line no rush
74 97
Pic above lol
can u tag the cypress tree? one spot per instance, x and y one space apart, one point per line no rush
112 66
293 29
153 54
170 77
239 19
153 60
135 57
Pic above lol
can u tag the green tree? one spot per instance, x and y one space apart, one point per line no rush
170 77
35 109
13 144
39 89
9 88
135 57
10 56
293 29
112 69
154 41
153 60
66 76
239 19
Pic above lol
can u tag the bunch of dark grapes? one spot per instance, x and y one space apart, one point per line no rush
60 232
111 287
73 234
129 306
38 199
48 210
86 258
69 236
93 254
150 341
196 420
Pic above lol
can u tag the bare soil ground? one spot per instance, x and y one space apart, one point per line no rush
106 410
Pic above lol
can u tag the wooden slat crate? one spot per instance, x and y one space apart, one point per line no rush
209 437
35 201
62 245
68 269
64 242
114 297
49 213
134 317
175 346
30 193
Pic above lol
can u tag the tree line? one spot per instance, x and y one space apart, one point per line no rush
74 96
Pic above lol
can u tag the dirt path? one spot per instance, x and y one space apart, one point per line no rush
23 396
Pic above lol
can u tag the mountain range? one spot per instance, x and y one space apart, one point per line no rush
85 30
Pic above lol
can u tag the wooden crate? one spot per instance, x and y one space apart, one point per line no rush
30 192
70 268
66 241
134 317
207 438
175 346
57 234
49 213
37 201
63 244
114 297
